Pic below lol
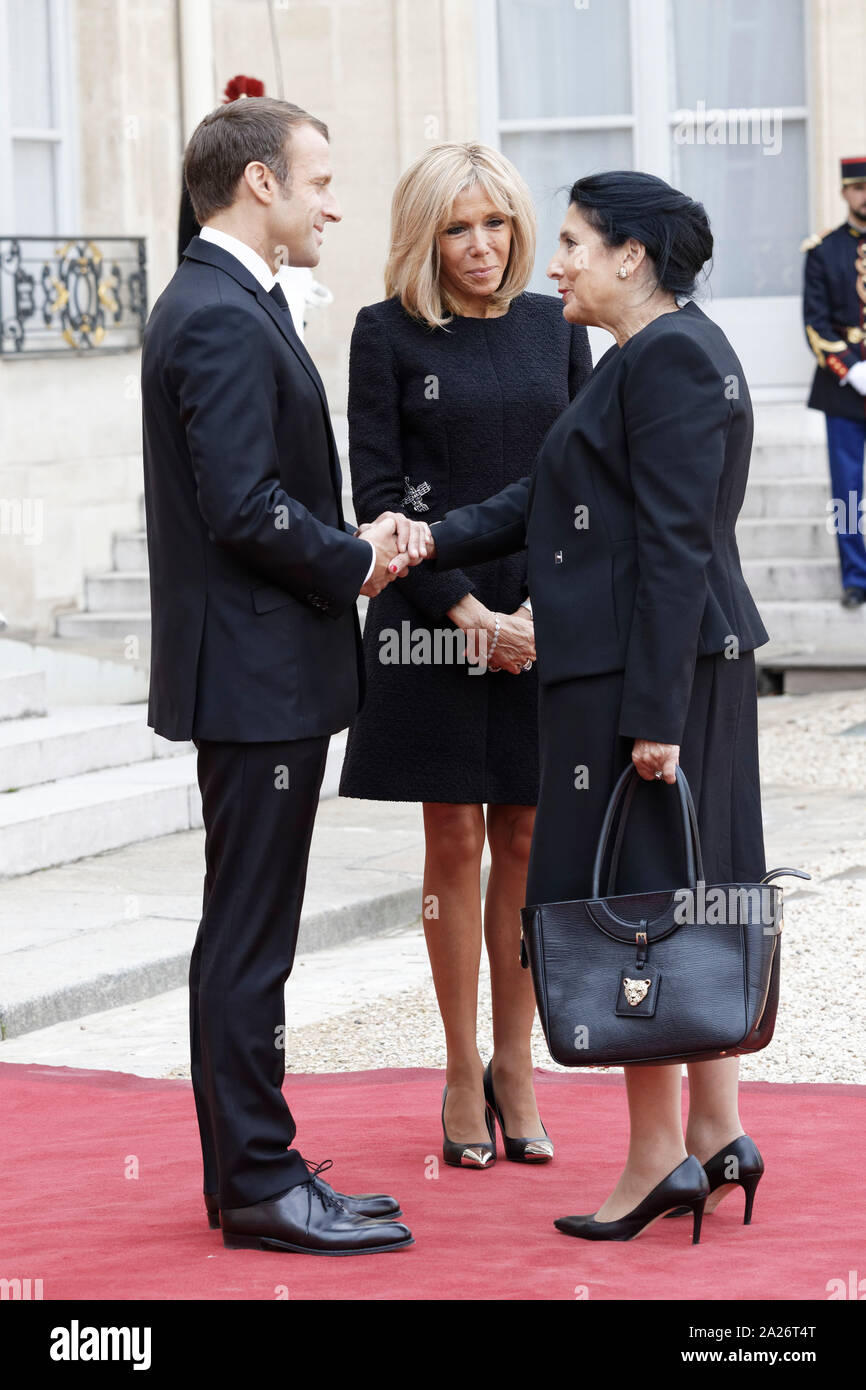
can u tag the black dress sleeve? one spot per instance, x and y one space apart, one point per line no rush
376 457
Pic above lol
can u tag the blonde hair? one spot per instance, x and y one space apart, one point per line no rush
422 207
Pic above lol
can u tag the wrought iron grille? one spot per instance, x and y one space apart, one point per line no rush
78 294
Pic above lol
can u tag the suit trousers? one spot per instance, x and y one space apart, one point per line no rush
259 803
845 442
582 755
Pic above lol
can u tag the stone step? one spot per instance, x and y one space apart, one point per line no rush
118 591
105 627
22 694
814 626
85 815
78 739
789 460
784 578
81 671
118 927
759 538
789 499
129 551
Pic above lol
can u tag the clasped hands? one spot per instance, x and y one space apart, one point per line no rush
399 544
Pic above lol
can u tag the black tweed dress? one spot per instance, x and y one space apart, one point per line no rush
439 418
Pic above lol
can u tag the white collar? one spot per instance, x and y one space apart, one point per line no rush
243 253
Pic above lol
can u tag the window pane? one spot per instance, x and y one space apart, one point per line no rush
549 58
551 163
757 208
33 185
741 53
30 64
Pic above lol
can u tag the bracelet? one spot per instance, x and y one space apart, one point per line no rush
495 636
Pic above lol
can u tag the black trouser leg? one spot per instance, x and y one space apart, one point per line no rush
259 803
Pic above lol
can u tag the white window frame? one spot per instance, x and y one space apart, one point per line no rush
650 115
651 121
62 135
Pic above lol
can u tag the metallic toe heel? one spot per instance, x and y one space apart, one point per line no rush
469 1155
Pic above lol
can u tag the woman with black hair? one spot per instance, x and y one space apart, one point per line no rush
645 630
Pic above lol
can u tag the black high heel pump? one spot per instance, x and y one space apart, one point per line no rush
517 1150
738 1164
687 1183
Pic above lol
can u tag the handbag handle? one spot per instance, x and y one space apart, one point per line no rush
624 792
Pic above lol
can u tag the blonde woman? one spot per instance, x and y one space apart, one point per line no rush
454 380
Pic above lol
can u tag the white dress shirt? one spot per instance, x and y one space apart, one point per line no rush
258 267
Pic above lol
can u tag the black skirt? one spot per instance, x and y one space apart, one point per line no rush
437 732
719 756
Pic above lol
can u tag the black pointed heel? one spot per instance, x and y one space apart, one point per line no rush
212 1207
749 1168
686 1184
517 1150
469 1155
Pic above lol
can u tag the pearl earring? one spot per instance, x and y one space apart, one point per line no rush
622 273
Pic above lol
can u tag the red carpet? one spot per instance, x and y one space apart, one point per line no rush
70 1217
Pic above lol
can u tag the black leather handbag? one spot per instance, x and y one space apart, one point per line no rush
683 975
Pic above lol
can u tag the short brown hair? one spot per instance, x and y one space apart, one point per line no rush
229 138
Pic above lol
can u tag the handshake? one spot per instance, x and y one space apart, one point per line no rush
399 543
497 641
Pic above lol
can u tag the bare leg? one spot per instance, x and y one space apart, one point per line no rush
656 1144
452 877
714 1119
509 834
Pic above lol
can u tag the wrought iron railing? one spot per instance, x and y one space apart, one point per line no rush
78 294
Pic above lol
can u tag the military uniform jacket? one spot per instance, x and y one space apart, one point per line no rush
834 313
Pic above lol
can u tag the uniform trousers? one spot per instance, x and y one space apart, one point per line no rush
845 444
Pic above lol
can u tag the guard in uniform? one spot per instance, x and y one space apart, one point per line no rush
834 312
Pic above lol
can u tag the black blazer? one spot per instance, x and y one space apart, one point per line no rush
253 570
628 520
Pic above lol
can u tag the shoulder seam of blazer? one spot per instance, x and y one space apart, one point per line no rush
671 331
223 309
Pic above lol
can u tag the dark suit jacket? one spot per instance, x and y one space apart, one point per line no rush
253 571
628 520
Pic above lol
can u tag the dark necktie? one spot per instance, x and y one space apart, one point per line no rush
276 293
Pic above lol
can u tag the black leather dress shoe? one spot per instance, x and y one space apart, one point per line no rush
374 1205
853 597
311 1220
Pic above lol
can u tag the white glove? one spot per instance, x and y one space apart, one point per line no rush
856 377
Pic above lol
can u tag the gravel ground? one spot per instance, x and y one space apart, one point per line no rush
800 743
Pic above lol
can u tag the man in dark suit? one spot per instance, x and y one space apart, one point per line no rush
256 646
834 314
